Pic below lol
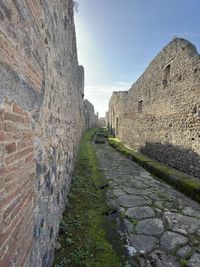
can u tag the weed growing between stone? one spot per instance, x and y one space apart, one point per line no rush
84 230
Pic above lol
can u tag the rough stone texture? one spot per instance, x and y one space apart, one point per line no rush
184 252
170 241
160 259
39 70
91 119
140 212
160 114
143 243
182 224
165 223
150 227
194 261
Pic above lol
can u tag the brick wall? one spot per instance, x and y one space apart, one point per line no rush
41 98
17 177
168 126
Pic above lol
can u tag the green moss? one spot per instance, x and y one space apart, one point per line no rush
134 221
184 263
84 229
180 181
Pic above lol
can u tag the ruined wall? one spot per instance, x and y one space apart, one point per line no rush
41 123
91 118
160 114
102 122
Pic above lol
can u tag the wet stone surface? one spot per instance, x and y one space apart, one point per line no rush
161 225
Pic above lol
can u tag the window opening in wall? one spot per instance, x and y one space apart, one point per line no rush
117 125
140 104
166 74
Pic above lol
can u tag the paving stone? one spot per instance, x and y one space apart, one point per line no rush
132 191
118 192
132 201
150 227
159 204
191 212
140 212
129 226
170 241
143 243
159 259
194 260
181 223
184 252
135 191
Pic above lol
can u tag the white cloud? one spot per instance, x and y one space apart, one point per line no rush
99 95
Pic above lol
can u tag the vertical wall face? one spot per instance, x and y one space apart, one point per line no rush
91 120
17 178
40 131
160 114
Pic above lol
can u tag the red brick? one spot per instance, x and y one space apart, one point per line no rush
10 148
15 166
13 136
2 136
2 126
10 126
18 155
8 236
25 206
27 134
12 176
29 158
12 206
5 261
14 117
5 236
26 255
17 109
7 198
11 185
26 120
23 144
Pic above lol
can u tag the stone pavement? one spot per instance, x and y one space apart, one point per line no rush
161 225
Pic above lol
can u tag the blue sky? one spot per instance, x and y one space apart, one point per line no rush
117 39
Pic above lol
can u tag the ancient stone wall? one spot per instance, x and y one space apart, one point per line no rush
102 122
160 114
41 123
91 118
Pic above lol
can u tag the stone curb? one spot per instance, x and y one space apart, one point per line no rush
184 183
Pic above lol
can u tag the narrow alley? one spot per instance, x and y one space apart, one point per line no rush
162 226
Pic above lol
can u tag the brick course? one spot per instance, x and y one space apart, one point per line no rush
17 194
42 118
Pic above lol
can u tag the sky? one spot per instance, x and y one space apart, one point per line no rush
117 39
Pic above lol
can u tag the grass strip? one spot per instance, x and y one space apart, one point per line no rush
84 229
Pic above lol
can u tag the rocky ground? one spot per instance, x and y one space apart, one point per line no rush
161 226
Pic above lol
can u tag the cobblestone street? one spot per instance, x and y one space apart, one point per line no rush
161 225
